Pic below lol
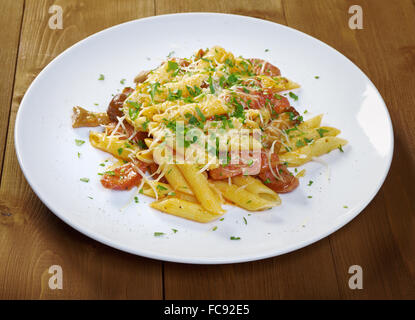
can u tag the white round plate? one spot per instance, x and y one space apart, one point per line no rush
48 155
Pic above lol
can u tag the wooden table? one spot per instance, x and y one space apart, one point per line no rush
381 239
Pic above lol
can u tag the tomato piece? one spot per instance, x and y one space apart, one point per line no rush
152 168
122 178
286 183
225 172
262 67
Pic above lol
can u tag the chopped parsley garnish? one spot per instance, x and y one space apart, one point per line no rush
239 109
101 77
171 193
317 77
310 183
340 148
142 144
211 87
245 221
229 62
122 81
79 142
154 89
145 124
133 113
84 179
172 66
232 80
110 173
345 207
200 113
267 181
174 96
321 132
79 154
158 234
192 120
161 188
222 80
136 199
309 197
120 150
221 219
235 238
299 143
266 50
175 230
293 96
195 91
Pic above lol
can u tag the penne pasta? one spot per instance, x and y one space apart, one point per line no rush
255 186
298 139
120 149
164 190
212 129
307 153
176 179
243 198
201 189
184 209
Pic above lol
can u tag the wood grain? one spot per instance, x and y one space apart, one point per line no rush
381 239
11 13
31 237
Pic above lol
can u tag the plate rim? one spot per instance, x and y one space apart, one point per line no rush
176 258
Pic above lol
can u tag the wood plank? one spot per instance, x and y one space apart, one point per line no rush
269 10
11 13
31 237
297 275
381 239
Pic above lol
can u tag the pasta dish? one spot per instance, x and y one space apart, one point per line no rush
197 133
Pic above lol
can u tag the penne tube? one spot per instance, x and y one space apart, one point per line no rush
176 179
120 149
242 197
316 149
255 186
298 139
200 187
184 209
164 190
311 123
